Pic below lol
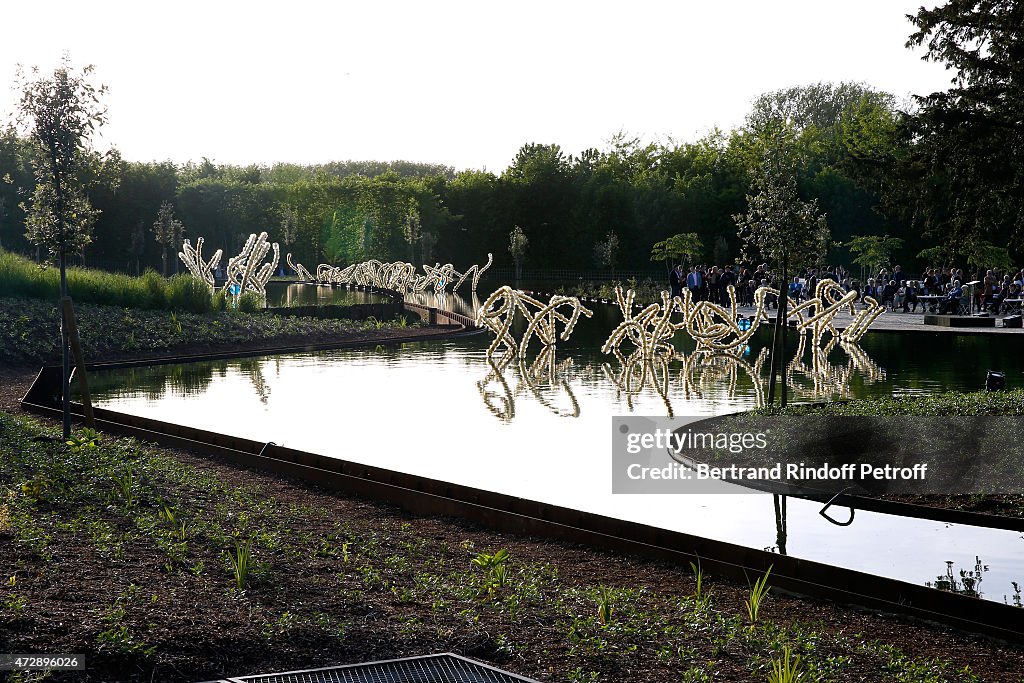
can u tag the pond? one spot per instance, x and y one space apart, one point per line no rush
282 293
541 428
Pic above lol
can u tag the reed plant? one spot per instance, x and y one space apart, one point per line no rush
22 278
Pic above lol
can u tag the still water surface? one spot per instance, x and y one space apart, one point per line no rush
541 429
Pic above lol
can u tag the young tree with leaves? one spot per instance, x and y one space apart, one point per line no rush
685 245
786 231
606 252
168 231
873 251
517 244
60 113
412 229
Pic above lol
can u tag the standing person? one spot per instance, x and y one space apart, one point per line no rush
899 276
714 283
695 282
728 280
675 280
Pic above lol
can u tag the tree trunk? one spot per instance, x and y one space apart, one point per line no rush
65 353
778 337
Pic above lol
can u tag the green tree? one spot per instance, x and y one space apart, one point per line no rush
873 251
684 246
517 244
606 252
60 112
967 164
289 225
168 231
412 229
786 231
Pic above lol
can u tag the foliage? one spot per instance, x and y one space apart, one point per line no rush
787 669
873 251
241 561
110 331
966 169
951 404
758 593
20 277
60 113
683 246
606 252
495 570
168 231
778 225
517 244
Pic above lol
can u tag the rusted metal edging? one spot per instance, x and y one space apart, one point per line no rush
501 512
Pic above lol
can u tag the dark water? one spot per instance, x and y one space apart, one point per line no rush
298 294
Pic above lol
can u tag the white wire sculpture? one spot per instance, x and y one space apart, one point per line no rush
247 271
193 260
718 328
299 269
401 276
499 311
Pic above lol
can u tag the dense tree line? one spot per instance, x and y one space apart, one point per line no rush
942 175
565 205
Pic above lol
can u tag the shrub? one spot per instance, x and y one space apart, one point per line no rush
186 293
250 302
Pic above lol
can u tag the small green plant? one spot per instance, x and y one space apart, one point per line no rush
36 488
604 605
373 323
240 560
86 438
175 323
175 522
758 592
401 323
494 570
787 669
125 482
701 597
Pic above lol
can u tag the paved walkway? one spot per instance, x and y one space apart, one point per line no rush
891 321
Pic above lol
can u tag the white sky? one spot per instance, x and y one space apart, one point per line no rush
464 83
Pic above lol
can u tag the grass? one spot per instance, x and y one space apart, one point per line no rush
947 405
355 578
21 277
758 593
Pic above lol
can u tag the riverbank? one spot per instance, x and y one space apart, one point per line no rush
120 550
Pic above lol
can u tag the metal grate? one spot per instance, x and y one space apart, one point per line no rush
442 668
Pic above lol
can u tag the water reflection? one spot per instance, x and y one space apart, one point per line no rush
697 375
544 379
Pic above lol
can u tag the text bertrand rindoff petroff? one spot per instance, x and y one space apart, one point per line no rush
737 442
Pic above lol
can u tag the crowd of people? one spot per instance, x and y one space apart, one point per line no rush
893 289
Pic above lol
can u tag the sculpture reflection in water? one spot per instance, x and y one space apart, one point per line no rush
543 378
699 375
827 379
700 372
